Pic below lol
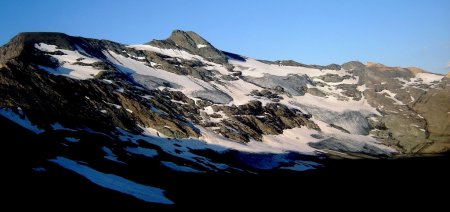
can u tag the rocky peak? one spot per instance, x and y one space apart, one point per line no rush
381 67
189 40
376 65
353 65
26 40
23 45
415 70
44 37
193 43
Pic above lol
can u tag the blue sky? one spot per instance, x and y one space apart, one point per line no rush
393 32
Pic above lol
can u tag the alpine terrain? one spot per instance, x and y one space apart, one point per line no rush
89 121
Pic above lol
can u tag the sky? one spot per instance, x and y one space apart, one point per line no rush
393 32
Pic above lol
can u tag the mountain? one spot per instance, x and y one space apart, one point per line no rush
125 117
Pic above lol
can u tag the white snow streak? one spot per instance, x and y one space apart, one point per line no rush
113 182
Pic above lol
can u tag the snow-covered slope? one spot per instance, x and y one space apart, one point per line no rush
336 98
74 64
354 99
125 117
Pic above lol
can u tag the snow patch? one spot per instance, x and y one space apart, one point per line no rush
361 88
58 126
68 62
179 168
142 151
255 68
72 140
20 119
180 148
352 141
120 90
128 65
301 166
329 103
391 95
169 52
39 169
114 182
428 78
240 91
292 140
110 155
114 105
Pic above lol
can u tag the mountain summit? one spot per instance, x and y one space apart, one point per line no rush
193 43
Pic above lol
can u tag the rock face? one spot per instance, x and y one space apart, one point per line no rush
252 120
49 99
350 90
398 94
193 43
293 84
435 109
183 87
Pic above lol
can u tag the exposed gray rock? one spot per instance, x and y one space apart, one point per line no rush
151 82
293 84
401 125
193 43
252 120
267 94
350 90
234 56
229 78
349 146
174 65
295 63
214 96
203 103
353 65
316 92
333 77
354 122
339 128
434 106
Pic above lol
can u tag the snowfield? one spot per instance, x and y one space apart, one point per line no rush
429 78
20 119
113 182
68 60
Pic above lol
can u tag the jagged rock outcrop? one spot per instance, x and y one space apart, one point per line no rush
192 42
293 84
252 120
